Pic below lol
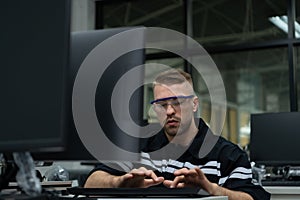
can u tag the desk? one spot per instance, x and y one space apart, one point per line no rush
13 193
284 192
158 198
71 197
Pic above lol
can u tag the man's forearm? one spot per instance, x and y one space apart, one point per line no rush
101 179
231 194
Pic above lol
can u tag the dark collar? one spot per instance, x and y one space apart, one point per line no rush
160 139
205 139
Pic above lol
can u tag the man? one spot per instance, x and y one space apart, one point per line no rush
171 157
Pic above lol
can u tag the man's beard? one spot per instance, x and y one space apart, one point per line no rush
171 130
173 126
178 128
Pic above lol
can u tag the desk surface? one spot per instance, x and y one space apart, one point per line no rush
157 198
283 189
284 192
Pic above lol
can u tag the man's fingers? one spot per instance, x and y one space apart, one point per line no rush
182 171
176 181
137 172
181 185
152 175
172 184
143 177
167 183
199 172
186 172
127 176
152 182
186 178
146 173
201 175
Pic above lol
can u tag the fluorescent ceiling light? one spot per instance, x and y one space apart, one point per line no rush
282 23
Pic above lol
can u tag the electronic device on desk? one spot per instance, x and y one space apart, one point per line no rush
33 78
139 192
277 176
280 182
33 82
274 139
82 44
40 62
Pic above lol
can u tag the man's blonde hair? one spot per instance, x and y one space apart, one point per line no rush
173 76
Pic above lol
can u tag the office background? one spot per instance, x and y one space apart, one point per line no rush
254 44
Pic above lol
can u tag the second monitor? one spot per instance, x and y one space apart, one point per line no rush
82 43
274 138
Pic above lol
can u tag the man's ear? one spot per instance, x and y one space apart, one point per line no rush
195 104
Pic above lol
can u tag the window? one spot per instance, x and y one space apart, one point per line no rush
250 50
233 22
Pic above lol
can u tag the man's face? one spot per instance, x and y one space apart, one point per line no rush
175 114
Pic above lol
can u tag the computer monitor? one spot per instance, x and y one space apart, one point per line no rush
82 44
274 138
34 50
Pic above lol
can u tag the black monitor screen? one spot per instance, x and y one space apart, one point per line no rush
34 50
275 138
82 44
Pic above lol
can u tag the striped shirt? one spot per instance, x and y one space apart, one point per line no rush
224 163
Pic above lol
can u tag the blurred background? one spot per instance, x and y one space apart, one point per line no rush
254 43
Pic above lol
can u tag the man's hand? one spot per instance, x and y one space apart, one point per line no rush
141 178
189 178
196 178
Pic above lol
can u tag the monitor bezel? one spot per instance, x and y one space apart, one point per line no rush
273 121
87 41
58 24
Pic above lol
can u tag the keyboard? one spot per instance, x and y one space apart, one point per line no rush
280 183
139 192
